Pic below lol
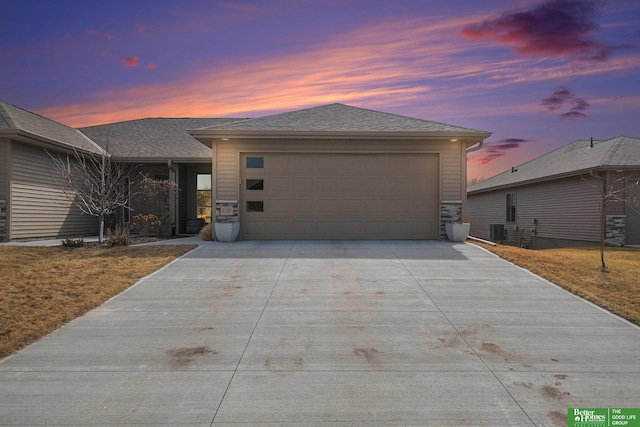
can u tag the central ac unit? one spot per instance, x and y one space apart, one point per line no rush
498 232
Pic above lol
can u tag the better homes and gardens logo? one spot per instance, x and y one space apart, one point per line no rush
603 417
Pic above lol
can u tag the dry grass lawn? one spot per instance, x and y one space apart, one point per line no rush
579 271
43 288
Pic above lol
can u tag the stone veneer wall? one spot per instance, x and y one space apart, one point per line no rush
450 211
226 203
616 229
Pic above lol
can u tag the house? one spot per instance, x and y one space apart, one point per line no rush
161 148
333 171
32 203
338 171
555 200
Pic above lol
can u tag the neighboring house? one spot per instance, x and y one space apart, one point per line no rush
333 171
337 171
555 200
32 202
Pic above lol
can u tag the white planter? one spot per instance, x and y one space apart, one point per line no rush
457 232
227 231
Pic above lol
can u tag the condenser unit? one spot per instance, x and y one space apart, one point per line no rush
498 232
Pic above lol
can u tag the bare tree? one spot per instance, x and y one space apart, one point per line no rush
157 194
94 183
616 191
474 181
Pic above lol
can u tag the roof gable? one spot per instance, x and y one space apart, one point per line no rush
338 118
574 158
19 122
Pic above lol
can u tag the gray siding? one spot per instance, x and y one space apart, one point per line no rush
38 206
632 209
566 209
4 189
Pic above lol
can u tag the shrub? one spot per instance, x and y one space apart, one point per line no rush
118 237
207 232
145 223
72 243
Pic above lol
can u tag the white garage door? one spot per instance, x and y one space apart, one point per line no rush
339 196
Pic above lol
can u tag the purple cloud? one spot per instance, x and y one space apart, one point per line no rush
562 98
497 149
555 28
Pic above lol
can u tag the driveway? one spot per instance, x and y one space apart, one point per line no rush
329 333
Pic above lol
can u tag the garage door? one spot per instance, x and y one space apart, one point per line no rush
339 196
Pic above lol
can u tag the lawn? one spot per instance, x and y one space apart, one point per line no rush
579 271
41 289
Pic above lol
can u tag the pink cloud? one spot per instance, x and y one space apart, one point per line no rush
151 66
495 150
107 36
130 61
555 28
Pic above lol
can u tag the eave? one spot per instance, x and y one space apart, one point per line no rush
207 136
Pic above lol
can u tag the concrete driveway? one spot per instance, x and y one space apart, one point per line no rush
329 333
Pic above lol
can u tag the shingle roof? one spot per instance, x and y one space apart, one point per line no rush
577 157
154 138
339 118
15 120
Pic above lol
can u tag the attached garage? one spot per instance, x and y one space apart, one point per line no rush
339 172
333 196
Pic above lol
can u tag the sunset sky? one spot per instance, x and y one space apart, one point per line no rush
538 74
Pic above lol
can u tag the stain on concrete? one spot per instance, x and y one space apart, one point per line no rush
558 418
284 366
523 384
493 348
181 357
368 354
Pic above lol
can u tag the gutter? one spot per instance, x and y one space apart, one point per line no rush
480 145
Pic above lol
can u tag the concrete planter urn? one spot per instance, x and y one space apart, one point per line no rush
457 232
227 231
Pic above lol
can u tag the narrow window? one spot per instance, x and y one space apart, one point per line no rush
255 206
511 207
255 184
255 162
203 197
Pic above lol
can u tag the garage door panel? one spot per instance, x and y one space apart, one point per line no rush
351 196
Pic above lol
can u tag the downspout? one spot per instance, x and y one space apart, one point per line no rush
603 214
468 150
172 199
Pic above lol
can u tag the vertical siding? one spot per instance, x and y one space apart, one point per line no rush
39 207
566 209
227 157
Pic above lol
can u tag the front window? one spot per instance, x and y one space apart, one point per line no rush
203 197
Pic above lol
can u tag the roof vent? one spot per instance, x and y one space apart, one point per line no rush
591 142
513 169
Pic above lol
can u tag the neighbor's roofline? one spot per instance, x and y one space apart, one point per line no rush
573 173
43 141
